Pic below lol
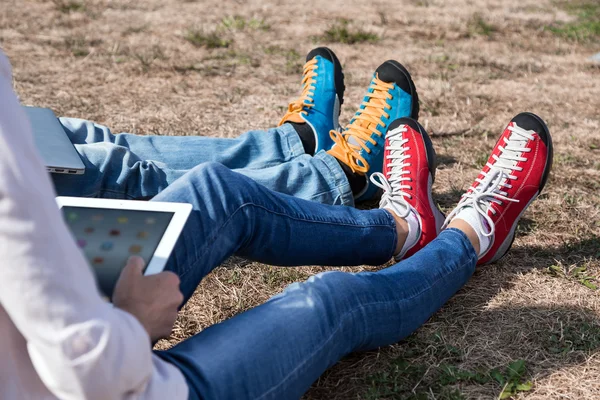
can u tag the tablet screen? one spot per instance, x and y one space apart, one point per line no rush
108 237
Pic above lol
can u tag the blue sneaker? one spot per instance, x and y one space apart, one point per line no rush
392 95
321 98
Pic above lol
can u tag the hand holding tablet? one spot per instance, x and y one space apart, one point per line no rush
110 231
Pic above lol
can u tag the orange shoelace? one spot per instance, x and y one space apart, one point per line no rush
365 124
305 100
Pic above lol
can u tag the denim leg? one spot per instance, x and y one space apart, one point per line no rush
232 214
253 149
134 166
278 349
127 166
319 178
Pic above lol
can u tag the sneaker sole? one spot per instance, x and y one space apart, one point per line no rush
432 162
510 238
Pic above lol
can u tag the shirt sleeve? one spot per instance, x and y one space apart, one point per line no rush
81 346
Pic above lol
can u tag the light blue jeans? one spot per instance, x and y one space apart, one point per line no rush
127 166
278 349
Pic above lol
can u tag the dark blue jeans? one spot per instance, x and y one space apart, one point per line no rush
278 349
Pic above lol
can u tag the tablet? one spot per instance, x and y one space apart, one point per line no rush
108 232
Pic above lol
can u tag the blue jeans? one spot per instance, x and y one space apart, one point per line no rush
278 349
127 166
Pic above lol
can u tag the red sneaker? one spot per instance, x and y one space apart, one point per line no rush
408 173
513 177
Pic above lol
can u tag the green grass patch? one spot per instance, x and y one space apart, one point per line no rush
409 378
210 39
233 57
135 29
276 277
574 273
586 27
511 379
237 22
341 32
584 337
147 57
479 26
293 59
68 6
79 46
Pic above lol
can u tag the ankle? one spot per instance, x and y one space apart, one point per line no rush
408 232
402 230
307 137
468 230
357 182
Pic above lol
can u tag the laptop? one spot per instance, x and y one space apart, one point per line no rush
52 142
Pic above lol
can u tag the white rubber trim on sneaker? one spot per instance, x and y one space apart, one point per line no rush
336 113
504 247
437 214
402 254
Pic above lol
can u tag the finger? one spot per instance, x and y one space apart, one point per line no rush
169 278
179 298
136 262
174 299
133 269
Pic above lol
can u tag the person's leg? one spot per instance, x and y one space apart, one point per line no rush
278 349
232 213
137 166
253 149
129 166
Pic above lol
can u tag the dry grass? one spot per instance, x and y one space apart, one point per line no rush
476 63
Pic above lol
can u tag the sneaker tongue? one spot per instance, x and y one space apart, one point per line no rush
395 169
515 141
507 161
365 124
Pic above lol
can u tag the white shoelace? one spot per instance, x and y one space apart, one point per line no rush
491 185
393 187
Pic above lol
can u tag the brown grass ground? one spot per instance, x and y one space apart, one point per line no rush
125 63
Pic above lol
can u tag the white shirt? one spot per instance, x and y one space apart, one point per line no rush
58 338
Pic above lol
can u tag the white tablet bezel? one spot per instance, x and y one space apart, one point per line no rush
181 212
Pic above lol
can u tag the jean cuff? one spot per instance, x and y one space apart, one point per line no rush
454 234
292 141
392 223
337 178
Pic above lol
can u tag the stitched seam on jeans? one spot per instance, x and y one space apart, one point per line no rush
336 182
213 238
291 148
348 313
395 241
304 219
339 178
